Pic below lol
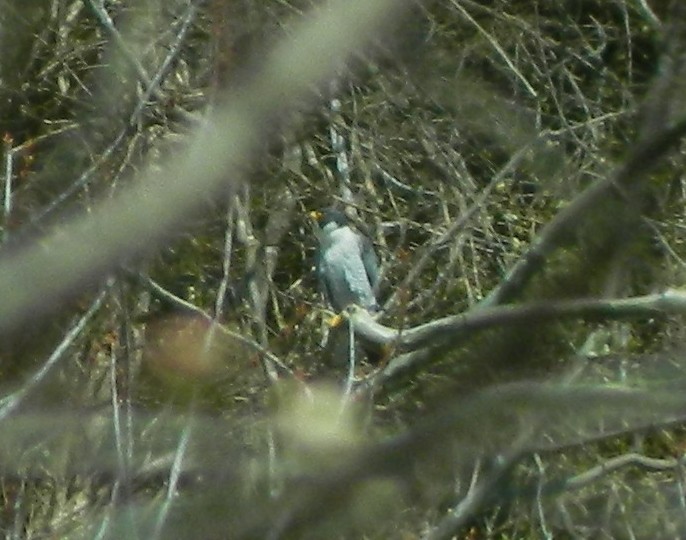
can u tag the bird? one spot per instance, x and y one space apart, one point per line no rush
347 266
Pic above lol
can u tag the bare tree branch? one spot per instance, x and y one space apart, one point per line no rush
143 215
640 161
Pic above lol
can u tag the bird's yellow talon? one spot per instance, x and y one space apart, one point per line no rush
335 321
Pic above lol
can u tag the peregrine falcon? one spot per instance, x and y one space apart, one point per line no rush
347 266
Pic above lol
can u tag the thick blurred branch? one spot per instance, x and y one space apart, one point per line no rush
483 424
641 159
143 216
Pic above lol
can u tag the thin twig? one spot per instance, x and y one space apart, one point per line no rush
475 500
9 174
350 378
153 89
649 14
174 475
501 52
170 297
338 146
9 403
98 9
458 225
641 159
619 462
86 177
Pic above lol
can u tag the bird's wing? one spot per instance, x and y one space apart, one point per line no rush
370 261
322 279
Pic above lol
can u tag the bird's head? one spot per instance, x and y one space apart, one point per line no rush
330 219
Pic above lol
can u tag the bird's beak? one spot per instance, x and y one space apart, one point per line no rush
316 215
